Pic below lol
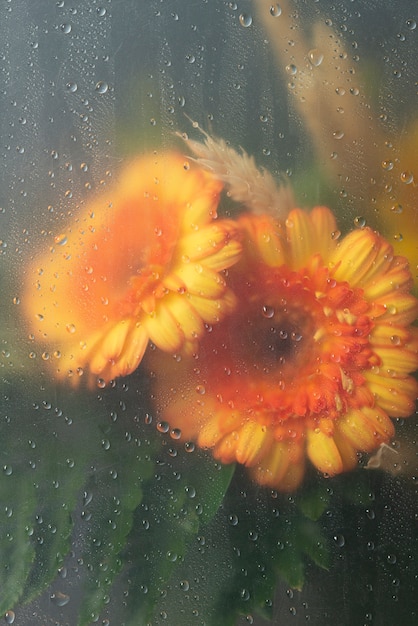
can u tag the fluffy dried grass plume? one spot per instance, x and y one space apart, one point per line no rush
253 187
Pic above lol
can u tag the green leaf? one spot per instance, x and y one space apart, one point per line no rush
16 550
184 494
313 500
310 541
112 494
55 461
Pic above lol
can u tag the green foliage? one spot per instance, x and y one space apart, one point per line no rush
160 520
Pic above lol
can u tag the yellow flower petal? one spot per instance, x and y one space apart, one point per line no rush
367 428
384 335
274 466
355 256
299 231
163 329
254 441
225 257
394 395
207 240
293 477
201 280
323 452
212 311
324 231
394 277
263 240
185 315
399 361
132 353
110 347
401 308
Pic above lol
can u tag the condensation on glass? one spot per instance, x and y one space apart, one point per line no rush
176 368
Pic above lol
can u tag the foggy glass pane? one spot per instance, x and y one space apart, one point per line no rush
208 269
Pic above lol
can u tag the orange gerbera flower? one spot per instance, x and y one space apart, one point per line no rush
313 361
143 263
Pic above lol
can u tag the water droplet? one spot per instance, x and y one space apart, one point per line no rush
184 585
244 594
60 599
245 20
411 24
175 433
339 540
101 11
359 222
268 311
163 427
338 134
7 470
61 240
291 69
391 558
9 617
66 28
396 208
71 87
233 520
315 57
370 513
275 10
407 177
387 165
101 87
191 491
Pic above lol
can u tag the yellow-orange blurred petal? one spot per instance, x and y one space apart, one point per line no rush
273 467
152 237
323 452
254 442
185 315
264 239
396 396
